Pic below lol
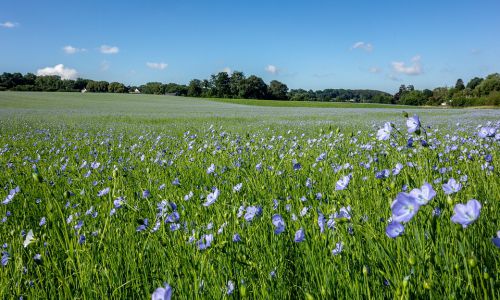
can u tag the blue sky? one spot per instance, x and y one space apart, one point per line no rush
305 44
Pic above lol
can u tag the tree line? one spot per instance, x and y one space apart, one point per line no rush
478 91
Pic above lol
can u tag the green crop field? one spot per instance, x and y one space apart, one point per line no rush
113 196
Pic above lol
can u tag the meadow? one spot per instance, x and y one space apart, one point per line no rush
108 196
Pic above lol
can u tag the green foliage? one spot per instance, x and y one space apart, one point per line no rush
117 87
236 85
97 86
277 90
195 88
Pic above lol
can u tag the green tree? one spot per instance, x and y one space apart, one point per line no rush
254 88
236 84
278 90
488 85
459 85
221 85
195 88
116 87
152 88
414 97
50 83
474 82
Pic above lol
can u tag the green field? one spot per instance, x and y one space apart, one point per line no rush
118 191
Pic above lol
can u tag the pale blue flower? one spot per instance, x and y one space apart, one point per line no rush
394 229
424 194
466 214
384 133
211 198
452 186
300 236
496 240
162 293
343 182
413 123
230 287
404 207
279 223
338 248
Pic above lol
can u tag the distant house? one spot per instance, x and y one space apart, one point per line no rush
444 104
83 91
135 91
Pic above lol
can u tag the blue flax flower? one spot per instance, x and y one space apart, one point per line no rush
424 194
162 293
496 240
205 241
452 186
279 223
384 133
300 236
252 212
394 229
211 198
404 207
413 123
343 182
338 248
466 214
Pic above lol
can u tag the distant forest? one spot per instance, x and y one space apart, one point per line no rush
477 92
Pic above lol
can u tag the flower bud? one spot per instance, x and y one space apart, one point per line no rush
472 262
427 285
37 177
243 291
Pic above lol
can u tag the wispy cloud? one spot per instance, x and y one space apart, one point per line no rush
157 65
414 69
475 51
9 24
72 50
105 49
393 77
105 65
375 70
363 46
272 69
59 70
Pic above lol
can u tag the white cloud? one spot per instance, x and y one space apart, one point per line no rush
157 66
105 65
414 69
109 49
362 45
272 69
393 78
72 50
227 70
59 70
8 24
375 70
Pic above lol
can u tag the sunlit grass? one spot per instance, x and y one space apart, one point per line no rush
148 145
